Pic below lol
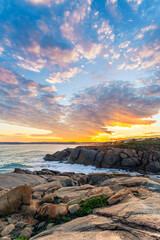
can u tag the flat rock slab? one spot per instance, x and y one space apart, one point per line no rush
10 180
55 182
94 227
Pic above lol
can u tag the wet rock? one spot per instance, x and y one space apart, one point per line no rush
128 162
107 160
59 156
153 167
99 159
7 230
96 178
145 158
123 155
74 155
86 157
22 171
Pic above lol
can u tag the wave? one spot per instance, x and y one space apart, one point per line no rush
14 165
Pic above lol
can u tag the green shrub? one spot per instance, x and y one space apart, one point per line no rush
87 206
21 238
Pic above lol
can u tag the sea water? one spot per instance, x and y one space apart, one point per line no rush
30 156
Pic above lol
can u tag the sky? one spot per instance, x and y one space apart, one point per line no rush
79 70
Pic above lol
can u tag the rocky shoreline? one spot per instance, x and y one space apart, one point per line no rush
143 161
49 205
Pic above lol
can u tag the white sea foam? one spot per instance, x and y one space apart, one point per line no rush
31 157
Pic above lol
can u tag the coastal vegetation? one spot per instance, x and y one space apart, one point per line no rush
139 144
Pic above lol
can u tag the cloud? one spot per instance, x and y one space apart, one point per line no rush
45 2
28 103
1 50
144 30
107 131
135 3
124 44
115 103
68 31
31 65
80 12
90 50
111 1
105 31
142 58
148 28
7 77
63 76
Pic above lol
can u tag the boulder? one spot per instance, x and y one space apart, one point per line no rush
48 197
134 153
58 156
22 171
73 208
6 238
98 160
7 230
96 178
140 154
111 160
107 159
128 163
128 152
13 200
51 211
119 196
2 192
26 232
123 155
86 157
153 167
74 155
145 158
30 210
136 160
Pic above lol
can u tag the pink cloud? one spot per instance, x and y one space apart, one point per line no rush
63 76
7 76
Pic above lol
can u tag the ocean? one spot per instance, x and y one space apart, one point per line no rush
30 156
